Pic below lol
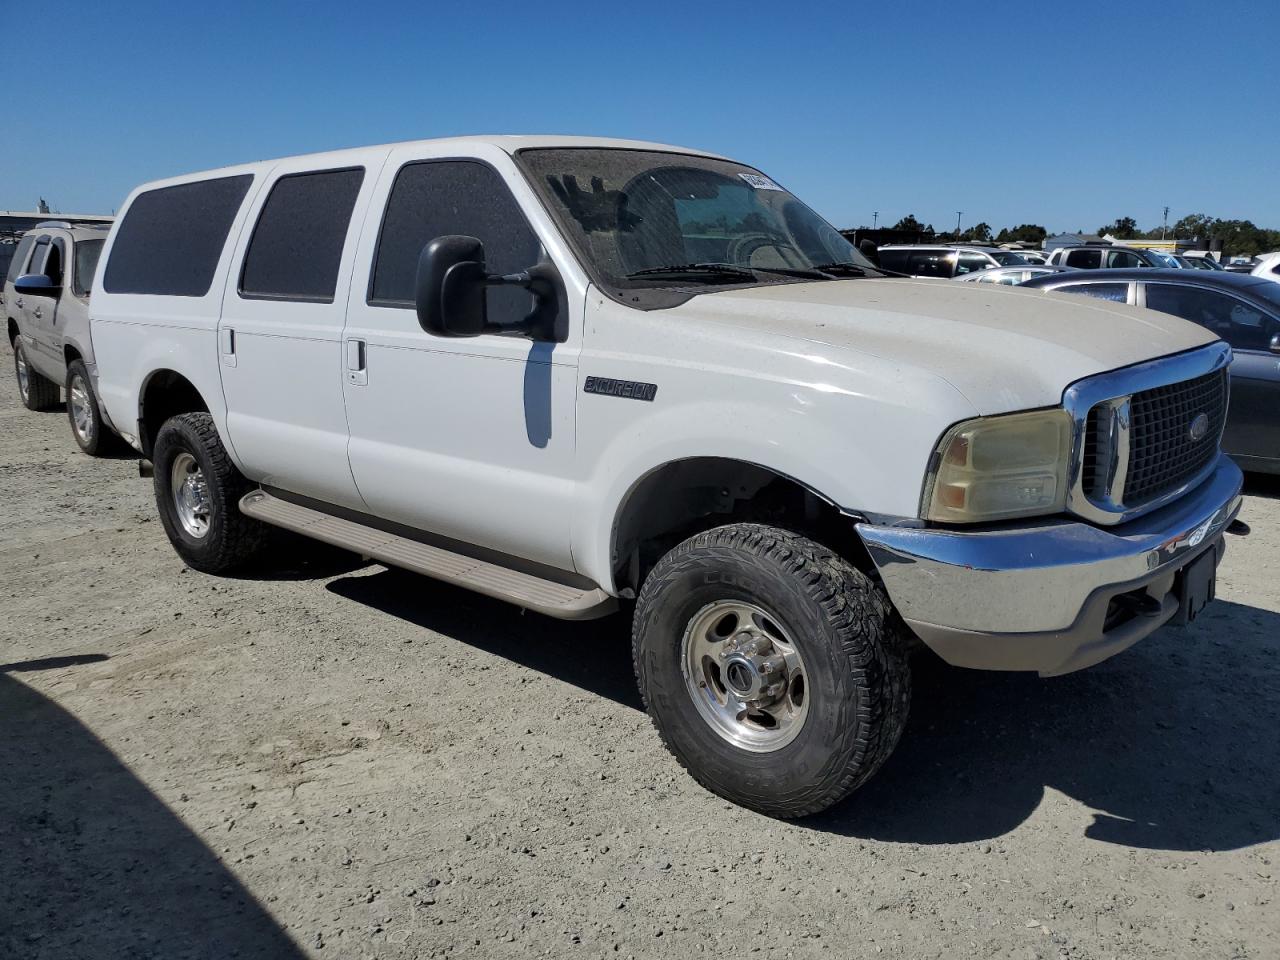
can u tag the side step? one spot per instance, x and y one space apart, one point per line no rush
527 590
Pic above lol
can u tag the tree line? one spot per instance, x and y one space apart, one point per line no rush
1239 237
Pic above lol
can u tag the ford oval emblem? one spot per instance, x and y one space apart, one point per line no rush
1199 426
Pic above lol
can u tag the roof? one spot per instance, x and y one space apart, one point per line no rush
1243 283
507 143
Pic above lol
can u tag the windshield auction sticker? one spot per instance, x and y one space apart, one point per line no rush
759 181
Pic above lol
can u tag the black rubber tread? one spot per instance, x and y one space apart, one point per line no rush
852 619
233 539
104 441
42 393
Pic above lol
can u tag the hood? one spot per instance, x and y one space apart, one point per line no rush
1003 348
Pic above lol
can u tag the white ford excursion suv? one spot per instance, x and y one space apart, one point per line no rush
570 372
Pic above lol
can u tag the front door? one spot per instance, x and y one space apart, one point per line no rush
471 439
280 333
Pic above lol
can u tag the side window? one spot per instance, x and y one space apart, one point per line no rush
918 263
19 261
1240 324
86 265
437 198
1117 292
54 261
1085 259
971 263
38 254
171 238
1125 259
298 239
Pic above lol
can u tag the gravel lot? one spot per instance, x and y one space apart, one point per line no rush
334 759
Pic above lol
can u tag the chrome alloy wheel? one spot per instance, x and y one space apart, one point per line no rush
81 409
190 495
24 372
745 675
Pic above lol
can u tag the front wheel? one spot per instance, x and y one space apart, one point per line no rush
83 410
774 671
198 491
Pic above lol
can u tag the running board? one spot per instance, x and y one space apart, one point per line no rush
524 589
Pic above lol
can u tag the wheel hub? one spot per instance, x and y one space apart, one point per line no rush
80 411
190 495
24 375
745 675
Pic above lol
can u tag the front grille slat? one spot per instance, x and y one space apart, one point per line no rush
1162 453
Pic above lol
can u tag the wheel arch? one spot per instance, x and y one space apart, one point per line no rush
14 332
679 498
165 393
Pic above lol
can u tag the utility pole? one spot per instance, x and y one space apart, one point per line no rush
959 213
1164 229
875 216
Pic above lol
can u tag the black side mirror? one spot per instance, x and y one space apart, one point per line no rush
450 293
36 285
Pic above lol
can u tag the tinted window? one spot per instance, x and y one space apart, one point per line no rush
1126 259
1119 292
1241 324
170 240
918 263
87 252
439 198
971 263
20 257
1085 259
297 242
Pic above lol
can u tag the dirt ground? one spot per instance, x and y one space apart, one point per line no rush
333 759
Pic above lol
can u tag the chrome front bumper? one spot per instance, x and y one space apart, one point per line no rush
1040 597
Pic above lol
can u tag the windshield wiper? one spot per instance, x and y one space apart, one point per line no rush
848 269
695 269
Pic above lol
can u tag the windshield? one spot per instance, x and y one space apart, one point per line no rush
646 219
87 252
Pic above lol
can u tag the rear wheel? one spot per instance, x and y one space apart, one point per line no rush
87 426
38 392
774 671
198 491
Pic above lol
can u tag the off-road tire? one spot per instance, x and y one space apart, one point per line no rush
233 540
101 440
852 643
42 393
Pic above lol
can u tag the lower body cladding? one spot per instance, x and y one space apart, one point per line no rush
1059 595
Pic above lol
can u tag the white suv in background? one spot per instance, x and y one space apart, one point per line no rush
1100 257
946 262
576 374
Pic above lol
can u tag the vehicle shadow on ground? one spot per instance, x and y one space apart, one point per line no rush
594 655
1173 745
1262 485
94 864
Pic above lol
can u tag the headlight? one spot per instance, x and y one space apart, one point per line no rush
994 468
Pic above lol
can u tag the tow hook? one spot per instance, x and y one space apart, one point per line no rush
1238 527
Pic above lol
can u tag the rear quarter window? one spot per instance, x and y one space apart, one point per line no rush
170 239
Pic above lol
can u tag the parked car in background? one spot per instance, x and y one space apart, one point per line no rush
1010 276
1032 256
1097 256
1268 267
1242 310
1203 260
946 262
46 304
529 366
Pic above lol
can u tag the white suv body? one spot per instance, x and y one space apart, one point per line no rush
654 424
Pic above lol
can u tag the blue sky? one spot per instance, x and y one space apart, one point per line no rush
1068 116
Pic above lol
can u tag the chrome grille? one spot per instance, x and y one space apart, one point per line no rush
1162 451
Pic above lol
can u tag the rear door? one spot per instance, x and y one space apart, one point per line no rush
1253 429
280 332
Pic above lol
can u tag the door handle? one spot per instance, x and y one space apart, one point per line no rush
18 302
357 363
227 345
